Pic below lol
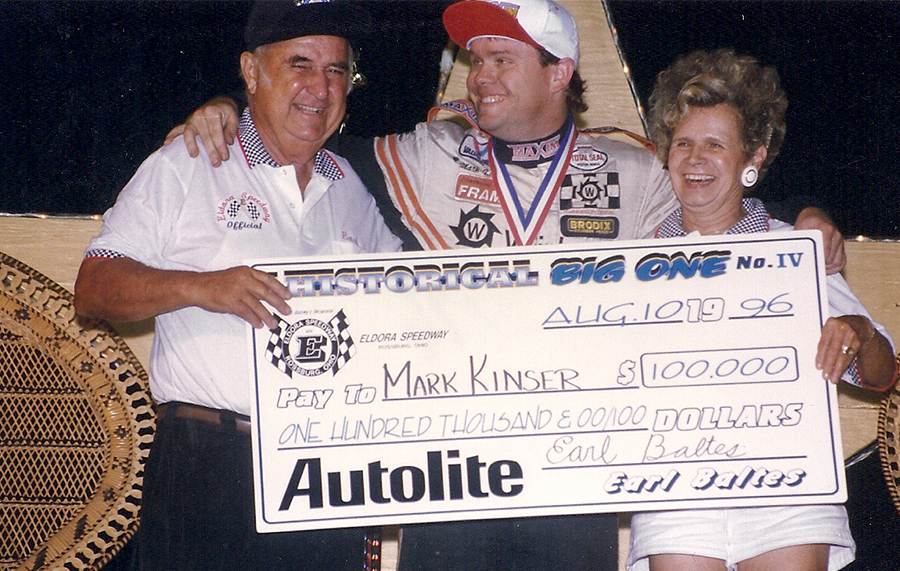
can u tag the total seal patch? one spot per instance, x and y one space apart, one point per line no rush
587 158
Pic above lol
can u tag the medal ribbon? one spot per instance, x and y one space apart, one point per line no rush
525 225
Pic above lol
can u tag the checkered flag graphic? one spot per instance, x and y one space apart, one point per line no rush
345 346
275 347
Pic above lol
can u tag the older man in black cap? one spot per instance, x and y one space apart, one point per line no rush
173 247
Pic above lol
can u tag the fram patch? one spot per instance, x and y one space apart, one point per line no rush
476 189
589 226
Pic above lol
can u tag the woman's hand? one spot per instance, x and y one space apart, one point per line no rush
854 336
839 344
216 123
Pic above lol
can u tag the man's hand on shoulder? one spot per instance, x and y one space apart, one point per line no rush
812 218
216 123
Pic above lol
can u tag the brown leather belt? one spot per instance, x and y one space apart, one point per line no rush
215 417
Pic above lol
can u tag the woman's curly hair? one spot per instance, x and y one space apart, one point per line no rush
706 79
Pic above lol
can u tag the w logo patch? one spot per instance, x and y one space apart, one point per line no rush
475 228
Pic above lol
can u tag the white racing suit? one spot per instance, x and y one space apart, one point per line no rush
439 177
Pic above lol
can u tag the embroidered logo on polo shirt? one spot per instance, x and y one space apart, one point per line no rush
244 212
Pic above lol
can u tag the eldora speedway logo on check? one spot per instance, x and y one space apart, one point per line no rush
311 347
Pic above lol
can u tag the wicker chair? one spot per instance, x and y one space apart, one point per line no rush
76 423
889 441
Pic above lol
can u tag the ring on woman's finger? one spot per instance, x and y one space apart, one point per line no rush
846 350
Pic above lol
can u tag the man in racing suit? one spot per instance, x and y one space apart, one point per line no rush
526 176
458 187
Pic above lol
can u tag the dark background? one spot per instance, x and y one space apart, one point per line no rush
91 87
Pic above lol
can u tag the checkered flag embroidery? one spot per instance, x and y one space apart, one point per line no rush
235 206
345 346
275 347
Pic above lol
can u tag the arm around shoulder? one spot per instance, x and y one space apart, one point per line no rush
813 218
216 123
658 200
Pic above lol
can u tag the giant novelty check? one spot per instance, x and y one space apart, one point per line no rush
549 380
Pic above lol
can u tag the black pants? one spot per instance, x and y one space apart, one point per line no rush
566 543
198 513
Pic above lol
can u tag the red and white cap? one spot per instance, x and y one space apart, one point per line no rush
543 24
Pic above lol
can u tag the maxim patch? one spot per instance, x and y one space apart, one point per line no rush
534 151
476 189
587 158
589 226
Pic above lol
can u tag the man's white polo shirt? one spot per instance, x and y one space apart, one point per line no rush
179 213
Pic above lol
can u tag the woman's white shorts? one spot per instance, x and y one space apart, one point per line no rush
736 534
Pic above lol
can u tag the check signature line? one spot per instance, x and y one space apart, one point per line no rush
680 463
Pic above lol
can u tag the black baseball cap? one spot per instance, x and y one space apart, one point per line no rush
273 21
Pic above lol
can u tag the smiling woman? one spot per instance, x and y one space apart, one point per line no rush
714 116
706 160
837 66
